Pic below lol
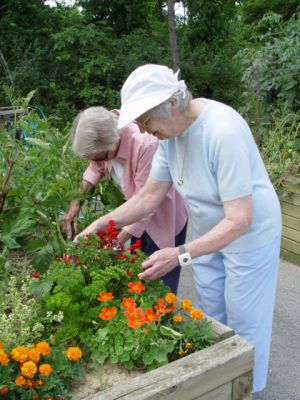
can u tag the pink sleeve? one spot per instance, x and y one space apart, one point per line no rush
141 175
94 172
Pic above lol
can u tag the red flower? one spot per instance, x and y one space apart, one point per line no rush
161 309
105 296
128 302
36 275
67 258
135 287
150 316
128 272
108 313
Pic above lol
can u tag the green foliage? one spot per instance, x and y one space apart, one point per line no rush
271 75
280 147
107 308
55 383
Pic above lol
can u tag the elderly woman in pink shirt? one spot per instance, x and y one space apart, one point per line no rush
127 155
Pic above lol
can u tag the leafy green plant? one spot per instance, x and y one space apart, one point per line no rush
280 147
96 287
38 371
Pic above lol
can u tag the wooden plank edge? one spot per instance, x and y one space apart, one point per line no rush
223 361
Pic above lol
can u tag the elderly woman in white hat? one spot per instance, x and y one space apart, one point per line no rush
126 155
207 151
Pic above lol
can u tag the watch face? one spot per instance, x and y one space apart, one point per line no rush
185 259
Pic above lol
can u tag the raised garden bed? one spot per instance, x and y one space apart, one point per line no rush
223 372
290 206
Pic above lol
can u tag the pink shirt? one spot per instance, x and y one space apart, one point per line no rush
135 154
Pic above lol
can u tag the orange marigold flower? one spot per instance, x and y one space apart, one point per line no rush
134 323
105 296
188 346
50 398
30 384
170 298
182 353
35 396
128 302
135 287
33 355
20 353
20 381
45 369
74 354
150 316
43 348
196 314
108 313
186 304
4 358
177 318
29 369
3 390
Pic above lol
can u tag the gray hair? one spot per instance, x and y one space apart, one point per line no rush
94 130
183 100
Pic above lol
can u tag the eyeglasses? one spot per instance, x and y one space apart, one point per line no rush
104 158
142 124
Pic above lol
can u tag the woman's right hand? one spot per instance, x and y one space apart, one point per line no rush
70 219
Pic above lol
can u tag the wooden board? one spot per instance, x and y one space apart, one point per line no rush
290 233
293 185
290 245
193 376
290 256
292 198
290 209
291 222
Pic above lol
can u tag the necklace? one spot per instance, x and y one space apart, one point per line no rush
180 180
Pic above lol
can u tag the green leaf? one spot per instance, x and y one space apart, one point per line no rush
114 359
43 258
39 143
148 358
170 332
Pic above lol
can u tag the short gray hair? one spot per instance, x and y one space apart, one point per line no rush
94 130
183 100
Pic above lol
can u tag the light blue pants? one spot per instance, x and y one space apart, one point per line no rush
238 289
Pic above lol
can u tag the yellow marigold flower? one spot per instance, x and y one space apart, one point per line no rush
45 369
4 359
170 298
74 354
20 381
40 382
186 304
3 390
43 348
20 353
188 346
177 318
34 355
29 369
182 353
196 314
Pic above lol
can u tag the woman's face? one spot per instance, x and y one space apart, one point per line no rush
161 128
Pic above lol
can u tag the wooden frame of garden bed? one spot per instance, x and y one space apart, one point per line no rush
222 371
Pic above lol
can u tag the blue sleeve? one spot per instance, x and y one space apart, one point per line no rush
160 167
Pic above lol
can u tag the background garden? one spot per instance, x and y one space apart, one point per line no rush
57 60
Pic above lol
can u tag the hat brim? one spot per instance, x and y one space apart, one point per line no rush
130 111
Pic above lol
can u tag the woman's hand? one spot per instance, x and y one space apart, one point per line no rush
69 220
124 236
159 263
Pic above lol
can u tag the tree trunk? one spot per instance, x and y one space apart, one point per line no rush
172 35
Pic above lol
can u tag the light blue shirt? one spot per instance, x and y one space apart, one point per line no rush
218 160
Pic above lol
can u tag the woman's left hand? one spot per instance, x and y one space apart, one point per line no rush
159 264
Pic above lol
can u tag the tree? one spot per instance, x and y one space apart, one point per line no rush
172 35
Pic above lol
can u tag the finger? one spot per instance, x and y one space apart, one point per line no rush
147 264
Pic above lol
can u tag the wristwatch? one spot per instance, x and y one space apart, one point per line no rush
184 257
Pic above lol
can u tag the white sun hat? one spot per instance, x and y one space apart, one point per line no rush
147 87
